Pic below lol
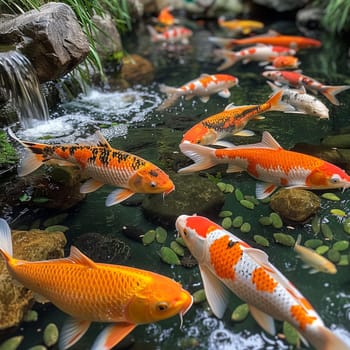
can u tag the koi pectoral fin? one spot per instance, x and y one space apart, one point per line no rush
265 321
112 335
216 292
264 189
224 93
72 331
90 185
117 196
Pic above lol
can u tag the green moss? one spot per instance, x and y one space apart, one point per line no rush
8 154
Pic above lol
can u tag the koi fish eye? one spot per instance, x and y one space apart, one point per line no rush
335 179
185 232
153 184
162 306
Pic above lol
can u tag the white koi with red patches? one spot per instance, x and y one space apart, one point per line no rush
260 53
204 86
173 35
228 264
298 80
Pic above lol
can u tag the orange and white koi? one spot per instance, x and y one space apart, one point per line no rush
297 80
228 264
244 26
268 162
177 34
260 53
284 62
231 121
302 102
96 292
204 86
317 262
270 38
102 164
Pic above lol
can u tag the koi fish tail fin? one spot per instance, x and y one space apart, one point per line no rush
229 57
172 96
327 340
330 91
222 42
154 34
33 157
277 104
202 156
5 240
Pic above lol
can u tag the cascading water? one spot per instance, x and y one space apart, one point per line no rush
19 80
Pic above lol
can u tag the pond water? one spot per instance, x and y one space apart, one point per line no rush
119 113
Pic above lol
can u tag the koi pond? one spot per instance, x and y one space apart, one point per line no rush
130 121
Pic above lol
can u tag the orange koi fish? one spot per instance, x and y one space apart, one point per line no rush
94 292
172 35
284 62
228 264
103 164
268 162
260 53
231 121
204 86
270 38
297 80
165 17
244 26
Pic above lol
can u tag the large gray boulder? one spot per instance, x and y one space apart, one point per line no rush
50 37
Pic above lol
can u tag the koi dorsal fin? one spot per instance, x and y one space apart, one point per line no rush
101 140
77 257
268 140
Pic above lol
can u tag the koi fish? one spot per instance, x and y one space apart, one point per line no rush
231 121
204 86
244 26
296 80
270 38
284 62
268 162
103 164
260 53
165 17
177 34
318 262
95 292
303 102
228 264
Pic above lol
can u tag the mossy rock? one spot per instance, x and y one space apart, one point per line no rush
295 205
193 195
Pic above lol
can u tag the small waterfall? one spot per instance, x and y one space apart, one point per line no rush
19 80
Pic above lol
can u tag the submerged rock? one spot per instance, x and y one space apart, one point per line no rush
295 204
193 195
102 248
57 188
32 245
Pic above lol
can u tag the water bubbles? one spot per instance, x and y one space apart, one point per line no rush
111 111
131 105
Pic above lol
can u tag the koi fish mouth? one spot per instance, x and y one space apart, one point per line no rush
165 193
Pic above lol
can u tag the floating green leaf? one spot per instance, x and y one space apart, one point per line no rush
240 313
